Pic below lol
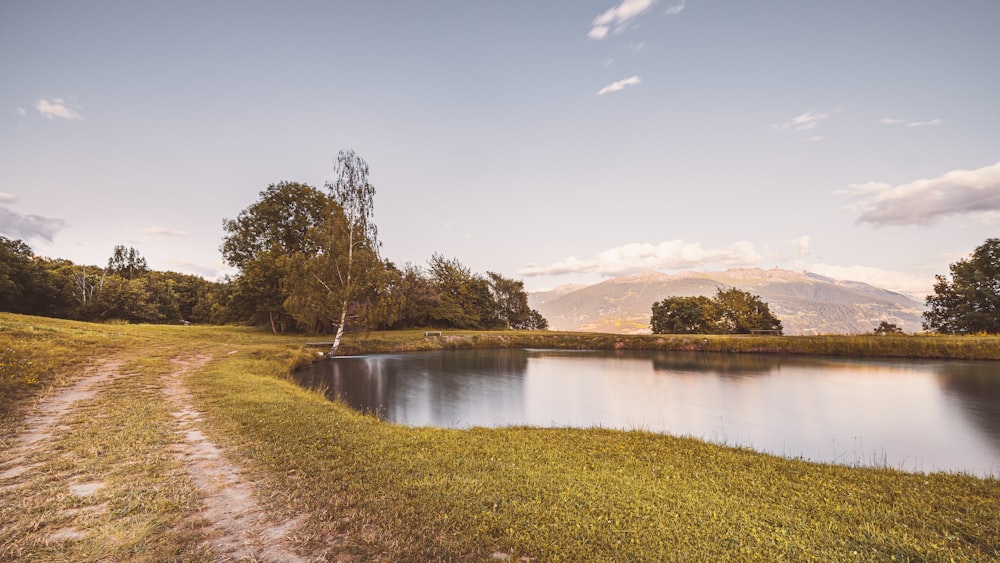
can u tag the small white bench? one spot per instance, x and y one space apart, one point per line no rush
433 333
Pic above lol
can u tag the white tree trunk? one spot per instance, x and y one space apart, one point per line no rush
340 330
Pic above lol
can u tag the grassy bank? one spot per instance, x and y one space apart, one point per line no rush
858 346
378 491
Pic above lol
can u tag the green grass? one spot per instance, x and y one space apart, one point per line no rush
860 346
374 490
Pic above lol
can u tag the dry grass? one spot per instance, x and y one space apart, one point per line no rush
368 490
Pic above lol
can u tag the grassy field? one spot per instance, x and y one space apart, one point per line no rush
369 490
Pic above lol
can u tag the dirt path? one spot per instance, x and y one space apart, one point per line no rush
39 425
243 530
61 491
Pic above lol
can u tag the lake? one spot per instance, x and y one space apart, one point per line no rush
915 415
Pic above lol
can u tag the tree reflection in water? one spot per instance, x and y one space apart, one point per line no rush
915 415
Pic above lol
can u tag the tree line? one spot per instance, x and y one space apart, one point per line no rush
308 260
126 289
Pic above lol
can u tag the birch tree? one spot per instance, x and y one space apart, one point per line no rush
356 197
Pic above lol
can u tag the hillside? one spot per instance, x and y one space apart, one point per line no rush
806 303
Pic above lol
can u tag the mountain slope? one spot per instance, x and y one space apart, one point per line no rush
806 303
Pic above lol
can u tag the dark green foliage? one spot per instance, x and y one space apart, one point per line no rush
731 311
684 315
260 243
886 327
127 263
740 312
127 290
450 295
33 285
970 302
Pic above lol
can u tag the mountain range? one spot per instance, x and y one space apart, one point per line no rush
806 303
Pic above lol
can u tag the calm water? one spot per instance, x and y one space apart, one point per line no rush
913 415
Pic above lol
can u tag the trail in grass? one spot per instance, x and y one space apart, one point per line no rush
243 529
40 424
54 503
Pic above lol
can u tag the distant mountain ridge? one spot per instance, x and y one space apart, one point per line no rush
806 303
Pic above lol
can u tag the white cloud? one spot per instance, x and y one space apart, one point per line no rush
803 122
910 123
598 32
677 8
58 108
7 198
924 201
802 245
21 111
915 286
160 231
618 17
620 85
636 257
28 226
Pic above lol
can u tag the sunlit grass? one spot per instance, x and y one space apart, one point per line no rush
374 490
590 494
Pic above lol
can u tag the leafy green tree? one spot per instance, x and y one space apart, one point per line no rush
970 302
465 299
259 243
409 297
886 327
317 283
28 284
731 311
741 312
127 263
511 301
536 321
684 315
119 298
356 242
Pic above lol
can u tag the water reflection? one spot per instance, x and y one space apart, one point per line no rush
915 415
447 389
976 390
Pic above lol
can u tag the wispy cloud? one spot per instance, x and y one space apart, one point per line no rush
21 111
618 18
620 85
58 107
802 122
160 231
909 122
677 8
637 257
7 198
20 226
924 201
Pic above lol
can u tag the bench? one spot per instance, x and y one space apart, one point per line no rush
433 333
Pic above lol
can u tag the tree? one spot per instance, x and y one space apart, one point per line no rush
356 197
731 311
740 312
511 304
885 327
684 315
127 263
28 284
260 242
970 302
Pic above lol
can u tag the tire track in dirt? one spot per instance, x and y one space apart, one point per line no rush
44 417
243 529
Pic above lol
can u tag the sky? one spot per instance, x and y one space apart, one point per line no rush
553 142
